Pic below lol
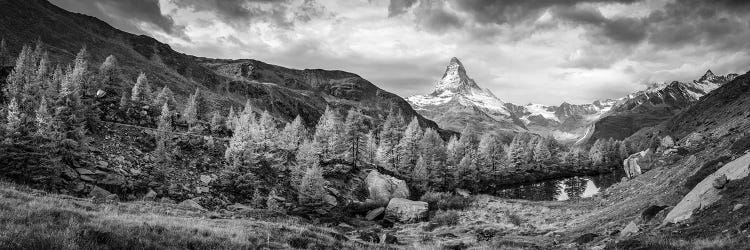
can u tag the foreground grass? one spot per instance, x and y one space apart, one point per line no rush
30 219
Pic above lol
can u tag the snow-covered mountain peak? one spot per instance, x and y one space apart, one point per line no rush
455 80
709 76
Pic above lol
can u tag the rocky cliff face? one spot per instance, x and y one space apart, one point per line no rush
457 100
285 92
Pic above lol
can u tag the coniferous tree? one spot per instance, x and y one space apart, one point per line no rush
109 75
353 137
13 117
327 139
165 96
421 174
597 153
312 189
231 119
37 88
371 148
77 76
541 151
292 135
141 92
53 89
190 115
469 139
217 122
165 119
20 76
452 151
490 152
163 135
267 127
43 119
407 148
390 136
623 151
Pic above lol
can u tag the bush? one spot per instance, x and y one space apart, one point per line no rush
445 218
445 201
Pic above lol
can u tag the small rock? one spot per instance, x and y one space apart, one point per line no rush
330 200
201 190
631 228
83 171
206 179
100 93
101 195
134 171
720 181
87 178
150 196
375 213
737 207
103 164
651 212
404 210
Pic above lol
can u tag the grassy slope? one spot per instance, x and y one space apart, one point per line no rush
31 219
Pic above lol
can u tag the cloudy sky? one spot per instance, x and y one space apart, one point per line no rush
541 51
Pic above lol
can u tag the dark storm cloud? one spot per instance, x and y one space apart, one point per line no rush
124 14
239 12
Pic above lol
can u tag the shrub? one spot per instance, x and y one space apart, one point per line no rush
445 201
445 218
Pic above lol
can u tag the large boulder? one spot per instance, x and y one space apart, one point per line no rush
382 188
705 194
404 210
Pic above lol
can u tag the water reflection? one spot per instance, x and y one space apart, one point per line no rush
561 189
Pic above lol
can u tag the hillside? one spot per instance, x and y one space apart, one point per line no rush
284 92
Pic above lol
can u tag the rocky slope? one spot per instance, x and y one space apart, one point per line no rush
457 100
284 92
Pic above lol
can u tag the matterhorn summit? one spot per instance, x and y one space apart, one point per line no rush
458 99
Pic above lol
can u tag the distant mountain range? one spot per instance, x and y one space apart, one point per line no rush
458 100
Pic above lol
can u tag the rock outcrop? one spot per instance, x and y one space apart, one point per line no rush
403 210
632 166
705 193
382 188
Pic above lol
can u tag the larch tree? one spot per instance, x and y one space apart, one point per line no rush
541 151
268 130
353 137
165 96
292 135
20 76
164 131
490 152
306 157
623 151
77 77
43 119
390 136
13 118
217 122
312 188
328 134
53 89
407 148
190 115
231 119
371 148
452 151
109 75
421 174
141 92
37 88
